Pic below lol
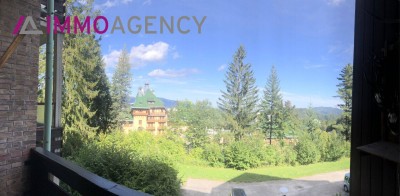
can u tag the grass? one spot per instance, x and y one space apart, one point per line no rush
40 114
261 174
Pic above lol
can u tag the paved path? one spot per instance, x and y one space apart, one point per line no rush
316 185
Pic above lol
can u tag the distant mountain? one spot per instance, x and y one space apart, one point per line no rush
323 113
167 102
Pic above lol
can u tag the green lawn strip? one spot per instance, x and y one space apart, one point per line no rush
260 174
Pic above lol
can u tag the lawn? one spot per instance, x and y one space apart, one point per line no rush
261 174
40 114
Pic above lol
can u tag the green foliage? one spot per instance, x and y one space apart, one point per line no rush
86 100
239 101
213 154
272 108
307 152
288 155
331 146
121 84
345 93
122 166
244 154
103 117
270 156
41 74
197 117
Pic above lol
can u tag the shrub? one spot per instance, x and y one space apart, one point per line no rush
307 152
331 146
213 155
289 155
269 156
130 169
244 154
347 148
196 153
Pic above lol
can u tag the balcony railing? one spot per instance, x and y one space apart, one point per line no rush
140 113
44 163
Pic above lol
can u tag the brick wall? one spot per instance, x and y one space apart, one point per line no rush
18 87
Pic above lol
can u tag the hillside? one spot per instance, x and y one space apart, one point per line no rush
323 113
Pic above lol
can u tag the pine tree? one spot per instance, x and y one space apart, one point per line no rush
312 124
345 93
239 101
102 104
84 83
121 85
272 108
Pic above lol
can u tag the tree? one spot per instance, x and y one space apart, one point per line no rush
83 83
121 85
272 108
104 117
198 117
291 122
312 124
345 93
239 101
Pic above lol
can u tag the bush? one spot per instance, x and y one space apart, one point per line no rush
244 154
331 146
130 169
347 148
213 155
307 152
289 155
269 157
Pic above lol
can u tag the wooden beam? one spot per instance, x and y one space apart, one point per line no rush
10 50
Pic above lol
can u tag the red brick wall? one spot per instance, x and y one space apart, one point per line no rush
18 87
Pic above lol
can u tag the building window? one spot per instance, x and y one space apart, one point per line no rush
140 122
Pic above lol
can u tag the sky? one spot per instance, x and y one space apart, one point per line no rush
308 42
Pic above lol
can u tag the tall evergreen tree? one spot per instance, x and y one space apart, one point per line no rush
239 101
104 117
121 85
312 124
345 93
84 83
272 108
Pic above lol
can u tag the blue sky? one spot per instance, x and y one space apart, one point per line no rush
308 41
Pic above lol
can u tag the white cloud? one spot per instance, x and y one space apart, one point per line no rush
149 53
140 55
170 73
147 2
111 3
303 101
111 59
335 2
222 67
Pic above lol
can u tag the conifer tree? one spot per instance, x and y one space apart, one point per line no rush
239 101
345 89
104 117
84 83
121 85
272 108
